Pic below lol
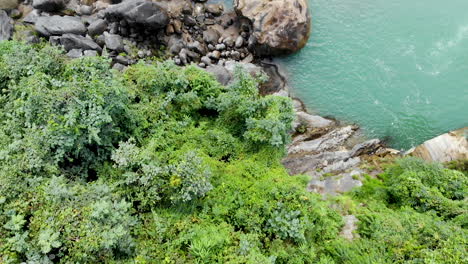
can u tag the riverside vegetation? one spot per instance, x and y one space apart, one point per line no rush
162 164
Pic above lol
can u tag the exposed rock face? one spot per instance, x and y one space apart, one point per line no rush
6 27
49 5
447 147
8 4
145 13
58 25
279 26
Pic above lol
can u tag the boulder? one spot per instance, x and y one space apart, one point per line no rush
6 26
145 13
447 147
8 4
59 25
97 27
279 26
72 41
49 5
113 42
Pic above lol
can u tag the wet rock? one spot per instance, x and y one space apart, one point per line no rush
75 53
145 13
113 42
447 147
6 26
97 27
49 5
71 41
284 26
58 25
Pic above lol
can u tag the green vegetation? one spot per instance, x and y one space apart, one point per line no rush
162 164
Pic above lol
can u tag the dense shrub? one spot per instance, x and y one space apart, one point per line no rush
162 164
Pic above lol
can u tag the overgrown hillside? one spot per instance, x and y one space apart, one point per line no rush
162 164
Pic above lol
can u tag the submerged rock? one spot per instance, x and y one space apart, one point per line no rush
447 147
279 26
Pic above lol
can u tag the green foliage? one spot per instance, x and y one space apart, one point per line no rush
162 164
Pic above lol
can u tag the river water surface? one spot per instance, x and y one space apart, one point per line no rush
398 68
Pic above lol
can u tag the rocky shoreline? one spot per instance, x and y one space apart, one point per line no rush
216 39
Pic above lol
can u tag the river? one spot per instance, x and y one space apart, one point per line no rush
399 68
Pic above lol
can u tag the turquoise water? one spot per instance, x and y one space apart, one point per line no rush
399 68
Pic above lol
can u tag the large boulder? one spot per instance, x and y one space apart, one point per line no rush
142 12
279 26
6 26
58 25
72 41
447 147
49 5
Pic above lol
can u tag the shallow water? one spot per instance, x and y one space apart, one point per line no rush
399 68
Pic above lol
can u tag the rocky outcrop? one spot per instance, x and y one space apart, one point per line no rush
447 147
279 26
6 26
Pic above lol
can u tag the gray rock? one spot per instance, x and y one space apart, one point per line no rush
49 5
211 36
368 147
229 42
206 60
75 53
114 42
313 121
71 41
220 73
239 42
101 40
175 44
196 46
329 141
220 47
146 13
58 25
54 40
90 53
32 39
190 21
284 26
215 9
86 10
32 17
122 60
349 227
119 67
6 26
97 27
235 55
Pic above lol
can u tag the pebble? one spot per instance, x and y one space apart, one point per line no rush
239 42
